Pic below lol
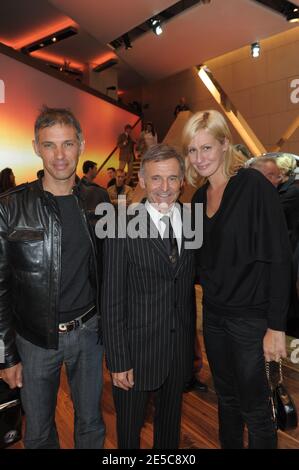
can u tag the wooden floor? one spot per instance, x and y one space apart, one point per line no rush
199 418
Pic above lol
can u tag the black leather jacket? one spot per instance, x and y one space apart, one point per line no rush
30 267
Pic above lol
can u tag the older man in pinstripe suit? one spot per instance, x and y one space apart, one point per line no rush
147 308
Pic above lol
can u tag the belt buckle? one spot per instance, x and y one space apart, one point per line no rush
73 324
69 326
62 328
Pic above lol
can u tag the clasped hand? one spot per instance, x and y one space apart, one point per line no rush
124 380
274 345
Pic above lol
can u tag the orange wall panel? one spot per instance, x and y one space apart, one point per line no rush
25 90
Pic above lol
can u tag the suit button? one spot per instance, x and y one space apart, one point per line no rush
172 330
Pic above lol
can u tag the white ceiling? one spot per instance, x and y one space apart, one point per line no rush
202 33
198 34
107 20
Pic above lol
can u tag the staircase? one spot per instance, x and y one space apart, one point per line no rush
136 167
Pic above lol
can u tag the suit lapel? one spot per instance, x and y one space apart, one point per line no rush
182 256
184 252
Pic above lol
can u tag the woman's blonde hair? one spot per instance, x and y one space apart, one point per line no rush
215 124
287 164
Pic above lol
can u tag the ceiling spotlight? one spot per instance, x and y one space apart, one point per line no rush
127 41
156 26
255 50
49 40
293 15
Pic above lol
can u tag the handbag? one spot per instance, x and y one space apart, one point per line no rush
284 413
10 415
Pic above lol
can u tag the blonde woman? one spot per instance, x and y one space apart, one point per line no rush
244 268
289 195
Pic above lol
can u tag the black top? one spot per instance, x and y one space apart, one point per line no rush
111 182
94 194
289 197
76 293
244 263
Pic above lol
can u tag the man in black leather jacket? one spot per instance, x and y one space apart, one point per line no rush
50 276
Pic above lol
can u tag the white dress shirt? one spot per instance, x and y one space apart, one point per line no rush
175 219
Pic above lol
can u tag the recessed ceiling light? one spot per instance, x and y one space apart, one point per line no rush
255 50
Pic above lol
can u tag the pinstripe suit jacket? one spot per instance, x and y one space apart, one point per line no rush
147 309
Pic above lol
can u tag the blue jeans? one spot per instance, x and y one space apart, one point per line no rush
82 354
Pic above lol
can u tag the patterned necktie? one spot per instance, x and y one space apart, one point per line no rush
170 240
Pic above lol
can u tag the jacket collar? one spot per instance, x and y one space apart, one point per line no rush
46 195
282 188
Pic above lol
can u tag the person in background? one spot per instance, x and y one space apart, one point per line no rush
50 281
126 145
120 192
90 171
7 180
111 176
289 196
296 268
181 106
244 268
243 150
95 194
40 174
148 138
267 166
288 192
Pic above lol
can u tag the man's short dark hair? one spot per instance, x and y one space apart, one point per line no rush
162 152
111 168
87 165
49 117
